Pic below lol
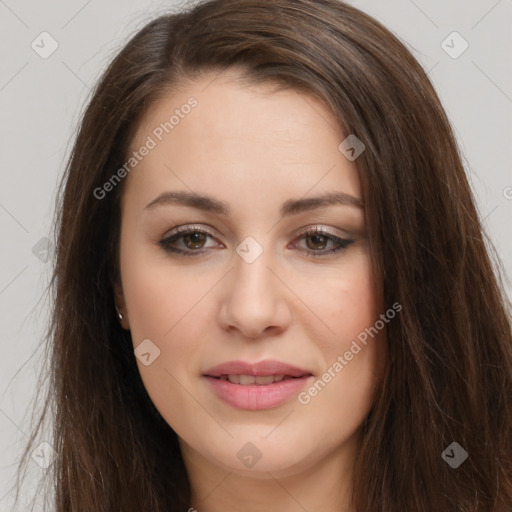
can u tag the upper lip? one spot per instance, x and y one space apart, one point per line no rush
262 368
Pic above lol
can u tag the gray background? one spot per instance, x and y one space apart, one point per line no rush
41 101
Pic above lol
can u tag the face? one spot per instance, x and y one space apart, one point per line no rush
246 295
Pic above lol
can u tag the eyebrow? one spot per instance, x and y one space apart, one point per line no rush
289 207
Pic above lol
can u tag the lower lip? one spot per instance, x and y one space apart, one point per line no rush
255 397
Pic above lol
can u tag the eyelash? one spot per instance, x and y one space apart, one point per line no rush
342 243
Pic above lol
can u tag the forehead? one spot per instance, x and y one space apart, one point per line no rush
216 133
228 104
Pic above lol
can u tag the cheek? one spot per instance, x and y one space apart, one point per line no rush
345 300
164 306
169 306
158 296
348 305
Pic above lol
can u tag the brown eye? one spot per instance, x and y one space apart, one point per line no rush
197 240
321 243
187 241
317 242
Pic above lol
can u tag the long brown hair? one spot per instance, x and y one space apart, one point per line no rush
449 352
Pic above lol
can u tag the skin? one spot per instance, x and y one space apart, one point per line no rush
253 149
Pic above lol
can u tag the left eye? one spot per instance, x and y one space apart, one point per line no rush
193 242
317 240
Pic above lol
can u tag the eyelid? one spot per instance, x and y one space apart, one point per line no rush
190 227
324 230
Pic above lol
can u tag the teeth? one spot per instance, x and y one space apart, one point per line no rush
264 379
247 380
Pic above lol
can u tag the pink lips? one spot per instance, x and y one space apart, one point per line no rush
257 396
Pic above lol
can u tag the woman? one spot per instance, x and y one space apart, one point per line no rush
272 287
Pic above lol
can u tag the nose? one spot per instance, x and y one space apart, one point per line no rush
255 302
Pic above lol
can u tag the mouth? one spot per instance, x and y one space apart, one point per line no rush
245 371
256 386
259 380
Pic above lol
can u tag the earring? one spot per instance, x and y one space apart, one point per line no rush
120 315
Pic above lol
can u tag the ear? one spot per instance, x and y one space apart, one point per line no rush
121 305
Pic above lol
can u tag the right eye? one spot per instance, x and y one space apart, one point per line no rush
192 240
